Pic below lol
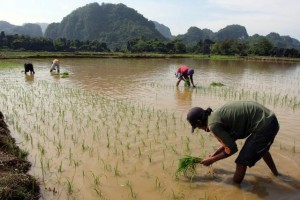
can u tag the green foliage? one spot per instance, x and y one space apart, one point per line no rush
141 45
229 47
260 46
8 64
64 75
21 42
187 82
187 164
217 84
202 47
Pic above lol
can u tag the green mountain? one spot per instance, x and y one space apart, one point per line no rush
113 24
32 30
283 41
194 35
232 32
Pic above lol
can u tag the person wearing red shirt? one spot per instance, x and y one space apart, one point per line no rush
185 73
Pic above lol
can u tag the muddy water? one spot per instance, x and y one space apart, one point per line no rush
115 128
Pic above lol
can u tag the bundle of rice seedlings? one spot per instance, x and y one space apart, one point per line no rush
187 82
187 165
217 84
64 75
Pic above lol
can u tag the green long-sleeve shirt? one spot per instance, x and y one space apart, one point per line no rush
237 120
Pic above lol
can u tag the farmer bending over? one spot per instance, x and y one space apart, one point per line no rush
28 67
55 65
238 120
185 73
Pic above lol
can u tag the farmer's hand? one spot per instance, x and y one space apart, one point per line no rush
208 161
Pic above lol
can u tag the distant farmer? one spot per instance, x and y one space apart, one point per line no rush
238 120
28 67
55 65
186 74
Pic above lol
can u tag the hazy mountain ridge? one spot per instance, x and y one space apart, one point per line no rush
164 30
30 29
43 26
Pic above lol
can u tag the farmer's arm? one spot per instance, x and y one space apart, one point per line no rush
221 148
211 159
228 148
179 79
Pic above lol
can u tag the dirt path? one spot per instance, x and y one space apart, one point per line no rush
15 183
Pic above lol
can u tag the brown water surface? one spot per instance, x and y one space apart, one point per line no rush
115 128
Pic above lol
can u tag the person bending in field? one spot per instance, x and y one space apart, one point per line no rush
28 67
238 120
186 74
55 65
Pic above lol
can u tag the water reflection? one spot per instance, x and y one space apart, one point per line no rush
55 75
183 97
29 78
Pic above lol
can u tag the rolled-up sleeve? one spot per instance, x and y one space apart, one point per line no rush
224 137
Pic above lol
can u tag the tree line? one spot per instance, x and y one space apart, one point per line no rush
261 46
26 43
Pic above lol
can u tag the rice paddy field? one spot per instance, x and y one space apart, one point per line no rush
116 128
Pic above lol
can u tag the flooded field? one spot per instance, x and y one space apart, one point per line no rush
115 128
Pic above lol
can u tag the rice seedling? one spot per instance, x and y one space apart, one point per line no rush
174 150
218 84
60 167
158 184
139 153
132 193
294 147
116 170
149 158
187 165
178 195
96 179
70 187
202 141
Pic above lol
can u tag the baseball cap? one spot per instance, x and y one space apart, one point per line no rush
194 116
190 71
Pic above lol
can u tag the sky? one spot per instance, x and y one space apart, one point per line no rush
257 16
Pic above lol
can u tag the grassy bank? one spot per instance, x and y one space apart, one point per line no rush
8 64
15 183
28 55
